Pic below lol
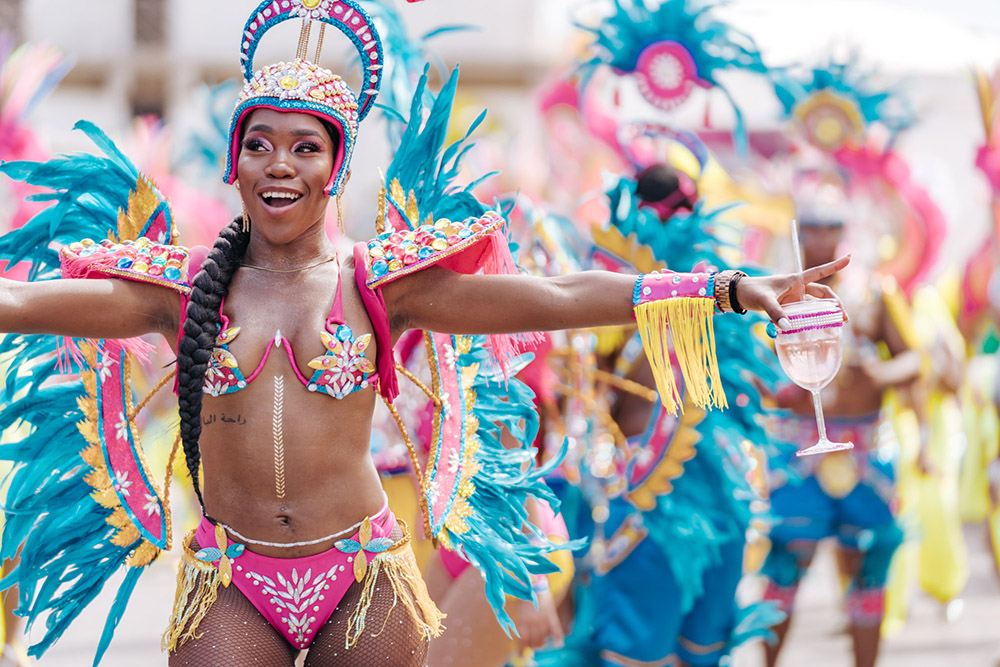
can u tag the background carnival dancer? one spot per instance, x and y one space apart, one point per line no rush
663 501
847 495
297 548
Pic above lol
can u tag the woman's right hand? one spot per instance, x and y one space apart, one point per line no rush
767 293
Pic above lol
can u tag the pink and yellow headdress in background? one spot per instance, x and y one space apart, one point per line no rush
302 85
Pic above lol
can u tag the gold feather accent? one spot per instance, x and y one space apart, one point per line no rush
98 479
106 498
126 536
412 211
380 218
680 450
638 255
142 202
119 518
143 555
88 429
397 193
87 406
93 456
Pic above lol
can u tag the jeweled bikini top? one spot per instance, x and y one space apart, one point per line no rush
341 371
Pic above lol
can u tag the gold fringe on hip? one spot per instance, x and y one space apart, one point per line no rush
197 589
408 588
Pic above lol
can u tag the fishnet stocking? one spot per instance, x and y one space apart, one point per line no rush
234 633
399 643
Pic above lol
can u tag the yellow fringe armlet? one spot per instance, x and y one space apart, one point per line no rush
689 321
197 589
399 566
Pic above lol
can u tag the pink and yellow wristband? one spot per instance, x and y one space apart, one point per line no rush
682 304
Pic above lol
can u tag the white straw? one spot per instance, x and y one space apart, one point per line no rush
797 251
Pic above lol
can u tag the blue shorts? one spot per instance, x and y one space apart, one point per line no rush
634 612
845 495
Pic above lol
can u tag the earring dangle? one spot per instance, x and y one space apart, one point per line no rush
246 219
246 216
340 215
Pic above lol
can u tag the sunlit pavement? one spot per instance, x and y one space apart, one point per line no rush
818 637
816 640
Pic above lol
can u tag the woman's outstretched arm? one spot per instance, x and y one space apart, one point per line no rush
441 300
88 308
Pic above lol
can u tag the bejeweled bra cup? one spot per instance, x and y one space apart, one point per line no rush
341 371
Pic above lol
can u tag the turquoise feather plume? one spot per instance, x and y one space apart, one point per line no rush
713 45
850 81
62 533
501 542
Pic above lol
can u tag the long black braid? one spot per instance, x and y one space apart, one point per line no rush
201 327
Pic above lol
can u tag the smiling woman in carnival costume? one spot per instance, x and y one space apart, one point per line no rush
297 548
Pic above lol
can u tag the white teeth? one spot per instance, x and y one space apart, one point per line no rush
281 195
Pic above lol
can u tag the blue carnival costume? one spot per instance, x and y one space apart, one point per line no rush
847 495
659 580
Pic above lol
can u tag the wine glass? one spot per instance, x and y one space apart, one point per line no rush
810 352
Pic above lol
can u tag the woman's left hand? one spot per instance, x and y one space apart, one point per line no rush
767 293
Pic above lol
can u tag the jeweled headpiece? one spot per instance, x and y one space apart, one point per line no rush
302 85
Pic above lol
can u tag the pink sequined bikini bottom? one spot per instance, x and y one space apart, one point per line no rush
297 596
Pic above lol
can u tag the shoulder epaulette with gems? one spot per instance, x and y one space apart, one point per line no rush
393 255
139 260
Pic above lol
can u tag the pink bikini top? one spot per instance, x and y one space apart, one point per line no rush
341 371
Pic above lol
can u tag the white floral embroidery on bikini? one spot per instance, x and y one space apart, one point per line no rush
295 598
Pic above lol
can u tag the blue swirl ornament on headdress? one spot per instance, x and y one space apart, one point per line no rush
302 85
671 47
835 104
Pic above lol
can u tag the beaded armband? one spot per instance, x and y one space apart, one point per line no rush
683 304
392 255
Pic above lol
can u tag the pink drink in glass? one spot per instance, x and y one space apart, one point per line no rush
810 353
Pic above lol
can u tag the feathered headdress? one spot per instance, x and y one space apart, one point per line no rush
671 47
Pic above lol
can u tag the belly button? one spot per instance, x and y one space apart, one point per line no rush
283 519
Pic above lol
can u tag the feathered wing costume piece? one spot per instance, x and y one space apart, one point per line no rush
688 474
833 108
81 502
670 47
473 489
